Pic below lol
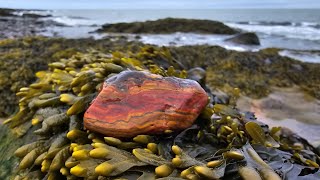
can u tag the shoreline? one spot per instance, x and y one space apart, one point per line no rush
24 22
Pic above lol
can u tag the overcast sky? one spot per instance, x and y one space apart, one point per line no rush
159 4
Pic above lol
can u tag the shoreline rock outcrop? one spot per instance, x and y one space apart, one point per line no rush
169 25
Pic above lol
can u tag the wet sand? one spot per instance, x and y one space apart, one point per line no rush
287 107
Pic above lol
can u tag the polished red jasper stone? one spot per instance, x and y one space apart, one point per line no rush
138 102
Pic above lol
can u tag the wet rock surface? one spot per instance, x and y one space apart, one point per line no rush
248 38
287 107
134 103
16 23
18 27
21 26
286 103
7 12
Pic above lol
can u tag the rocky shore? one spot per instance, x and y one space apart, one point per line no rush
51 115
17 23
261 76
255 73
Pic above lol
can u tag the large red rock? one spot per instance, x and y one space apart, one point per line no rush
136 102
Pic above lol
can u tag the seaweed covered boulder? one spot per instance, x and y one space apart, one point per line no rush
169 25
248 38
136 102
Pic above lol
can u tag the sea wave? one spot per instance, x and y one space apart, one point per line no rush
307 56
73 20
304 30
37 12
283 23
184 39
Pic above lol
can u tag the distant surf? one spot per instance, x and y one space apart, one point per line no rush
301 30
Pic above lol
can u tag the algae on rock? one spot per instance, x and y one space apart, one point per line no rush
253 72
169 25
64 149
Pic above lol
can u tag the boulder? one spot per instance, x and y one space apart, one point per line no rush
248 38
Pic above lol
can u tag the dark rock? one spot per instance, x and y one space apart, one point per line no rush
220 98
245 38
198 74
20 26
169 25
7 12
137 37
31 15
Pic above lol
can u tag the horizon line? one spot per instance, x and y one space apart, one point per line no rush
125 8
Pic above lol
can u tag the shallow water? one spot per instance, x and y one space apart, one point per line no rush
306 56
307 131
287 107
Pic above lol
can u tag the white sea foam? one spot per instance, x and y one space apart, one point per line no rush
310 24
277 23
73 21
305 56
38 12
183 39
180 39
306 32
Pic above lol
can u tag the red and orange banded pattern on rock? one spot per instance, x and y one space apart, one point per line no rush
136 102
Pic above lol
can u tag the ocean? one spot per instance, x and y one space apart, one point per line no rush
295 30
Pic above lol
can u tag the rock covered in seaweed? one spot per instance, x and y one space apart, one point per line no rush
248 38
136 102
169 25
